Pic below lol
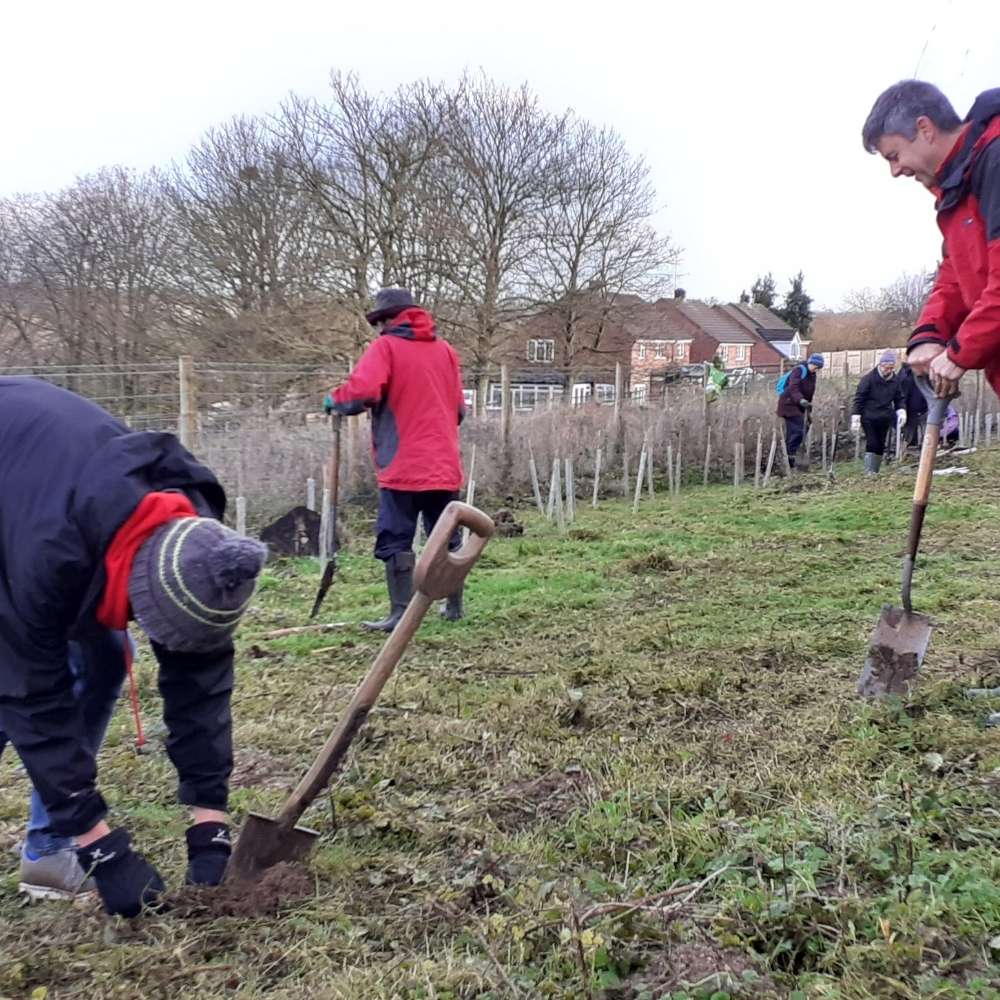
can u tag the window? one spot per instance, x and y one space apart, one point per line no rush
469 396
604 392
659 349
581 393
541 350
641 349
795 348
524 396
683 352
640 393
741 353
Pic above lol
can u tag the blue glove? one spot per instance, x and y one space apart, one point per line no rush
125 880
208 849
328 404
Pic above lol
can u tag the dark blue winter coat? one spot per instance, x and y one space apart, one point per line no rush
70 476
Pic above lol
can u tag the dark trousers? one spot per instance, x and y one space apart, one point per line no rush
795 432
914 425
398 511
876 432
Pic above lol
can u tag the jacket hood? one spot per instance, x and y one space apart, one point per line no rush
411 324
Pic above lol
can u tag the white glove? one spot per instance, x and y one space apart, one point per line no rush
855 422
900 418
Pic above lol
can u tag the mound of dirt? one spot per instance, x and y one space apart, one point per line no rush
696 965
277 887
651 562
549 797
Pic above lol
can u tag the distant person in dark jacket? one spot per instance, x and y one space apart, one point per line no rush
795 402
915 404
99 526
411 382
878 406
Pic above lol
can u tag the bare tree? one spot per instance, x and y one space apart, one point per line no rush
256 265
89 277
500 148
598 251
903 298
362 159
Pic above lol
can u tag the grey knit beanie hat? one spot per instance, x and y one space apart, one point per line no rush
191 581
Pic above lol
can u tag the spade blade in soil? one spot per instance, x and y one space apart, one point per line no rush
262 843
895 651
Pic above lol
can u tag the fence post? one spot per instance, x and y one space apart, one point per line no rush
708 455
241 515
187 426
324 528
638 479
570 490
311 493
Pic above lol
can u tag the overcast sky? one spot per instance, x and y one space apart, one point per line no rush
749 114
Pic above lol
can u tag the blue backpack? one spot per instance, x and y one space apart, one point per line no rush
783 381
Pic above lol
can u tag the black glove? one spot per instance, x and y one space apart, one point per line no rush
209 848
125 880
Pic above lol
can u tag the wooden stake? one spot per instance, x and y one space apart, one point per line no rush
708 455
311 493
553 488
241 515
536 489
597 476
638 479
557 483
770 458
570 491
649 470
760 455
324 528
671 489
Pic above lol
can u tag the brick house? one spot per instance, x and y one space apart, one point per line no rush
664 340
546 360
768 326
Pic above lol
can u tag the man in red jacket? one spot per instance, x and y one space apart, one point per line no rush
915 128
412 383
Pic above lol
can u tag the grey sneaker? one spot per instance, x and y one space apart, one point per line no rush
54 876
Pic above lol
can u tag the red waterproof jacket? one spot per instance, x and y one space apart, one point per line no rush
963 309
412 382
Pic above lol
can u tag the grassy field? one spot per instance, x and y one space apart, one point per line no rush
638 769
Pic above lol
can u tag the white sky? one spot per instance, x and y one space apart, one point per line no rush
749 114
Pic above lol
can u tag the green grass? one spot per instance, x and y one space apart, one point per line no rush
646 701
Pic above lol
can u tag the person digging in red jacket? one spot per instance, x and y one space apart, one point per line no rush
411 382
915 128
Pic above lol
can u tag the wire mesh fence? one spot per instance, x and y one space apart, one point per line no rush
261 429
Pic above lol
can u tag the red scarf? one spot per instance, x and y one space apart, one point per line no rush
154 510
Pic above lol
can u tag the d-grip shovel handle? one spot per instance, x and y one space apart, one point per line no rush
438 573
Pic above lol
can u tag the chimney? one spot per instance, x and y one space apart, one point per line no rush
680 293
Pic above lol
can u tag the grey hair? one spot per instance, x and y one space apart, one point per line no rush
897 109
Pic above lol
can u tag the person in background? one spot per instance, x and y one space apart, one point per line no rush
411 382
915 404
795 401
878 406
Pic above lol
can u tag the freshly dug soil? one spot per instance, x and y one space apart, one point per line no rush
277 887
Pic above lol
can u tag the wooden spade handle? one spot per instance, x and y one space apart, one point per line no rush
937 409
436 570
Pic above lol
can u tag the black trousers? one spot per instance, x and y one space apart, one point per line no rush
398 511
876 432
